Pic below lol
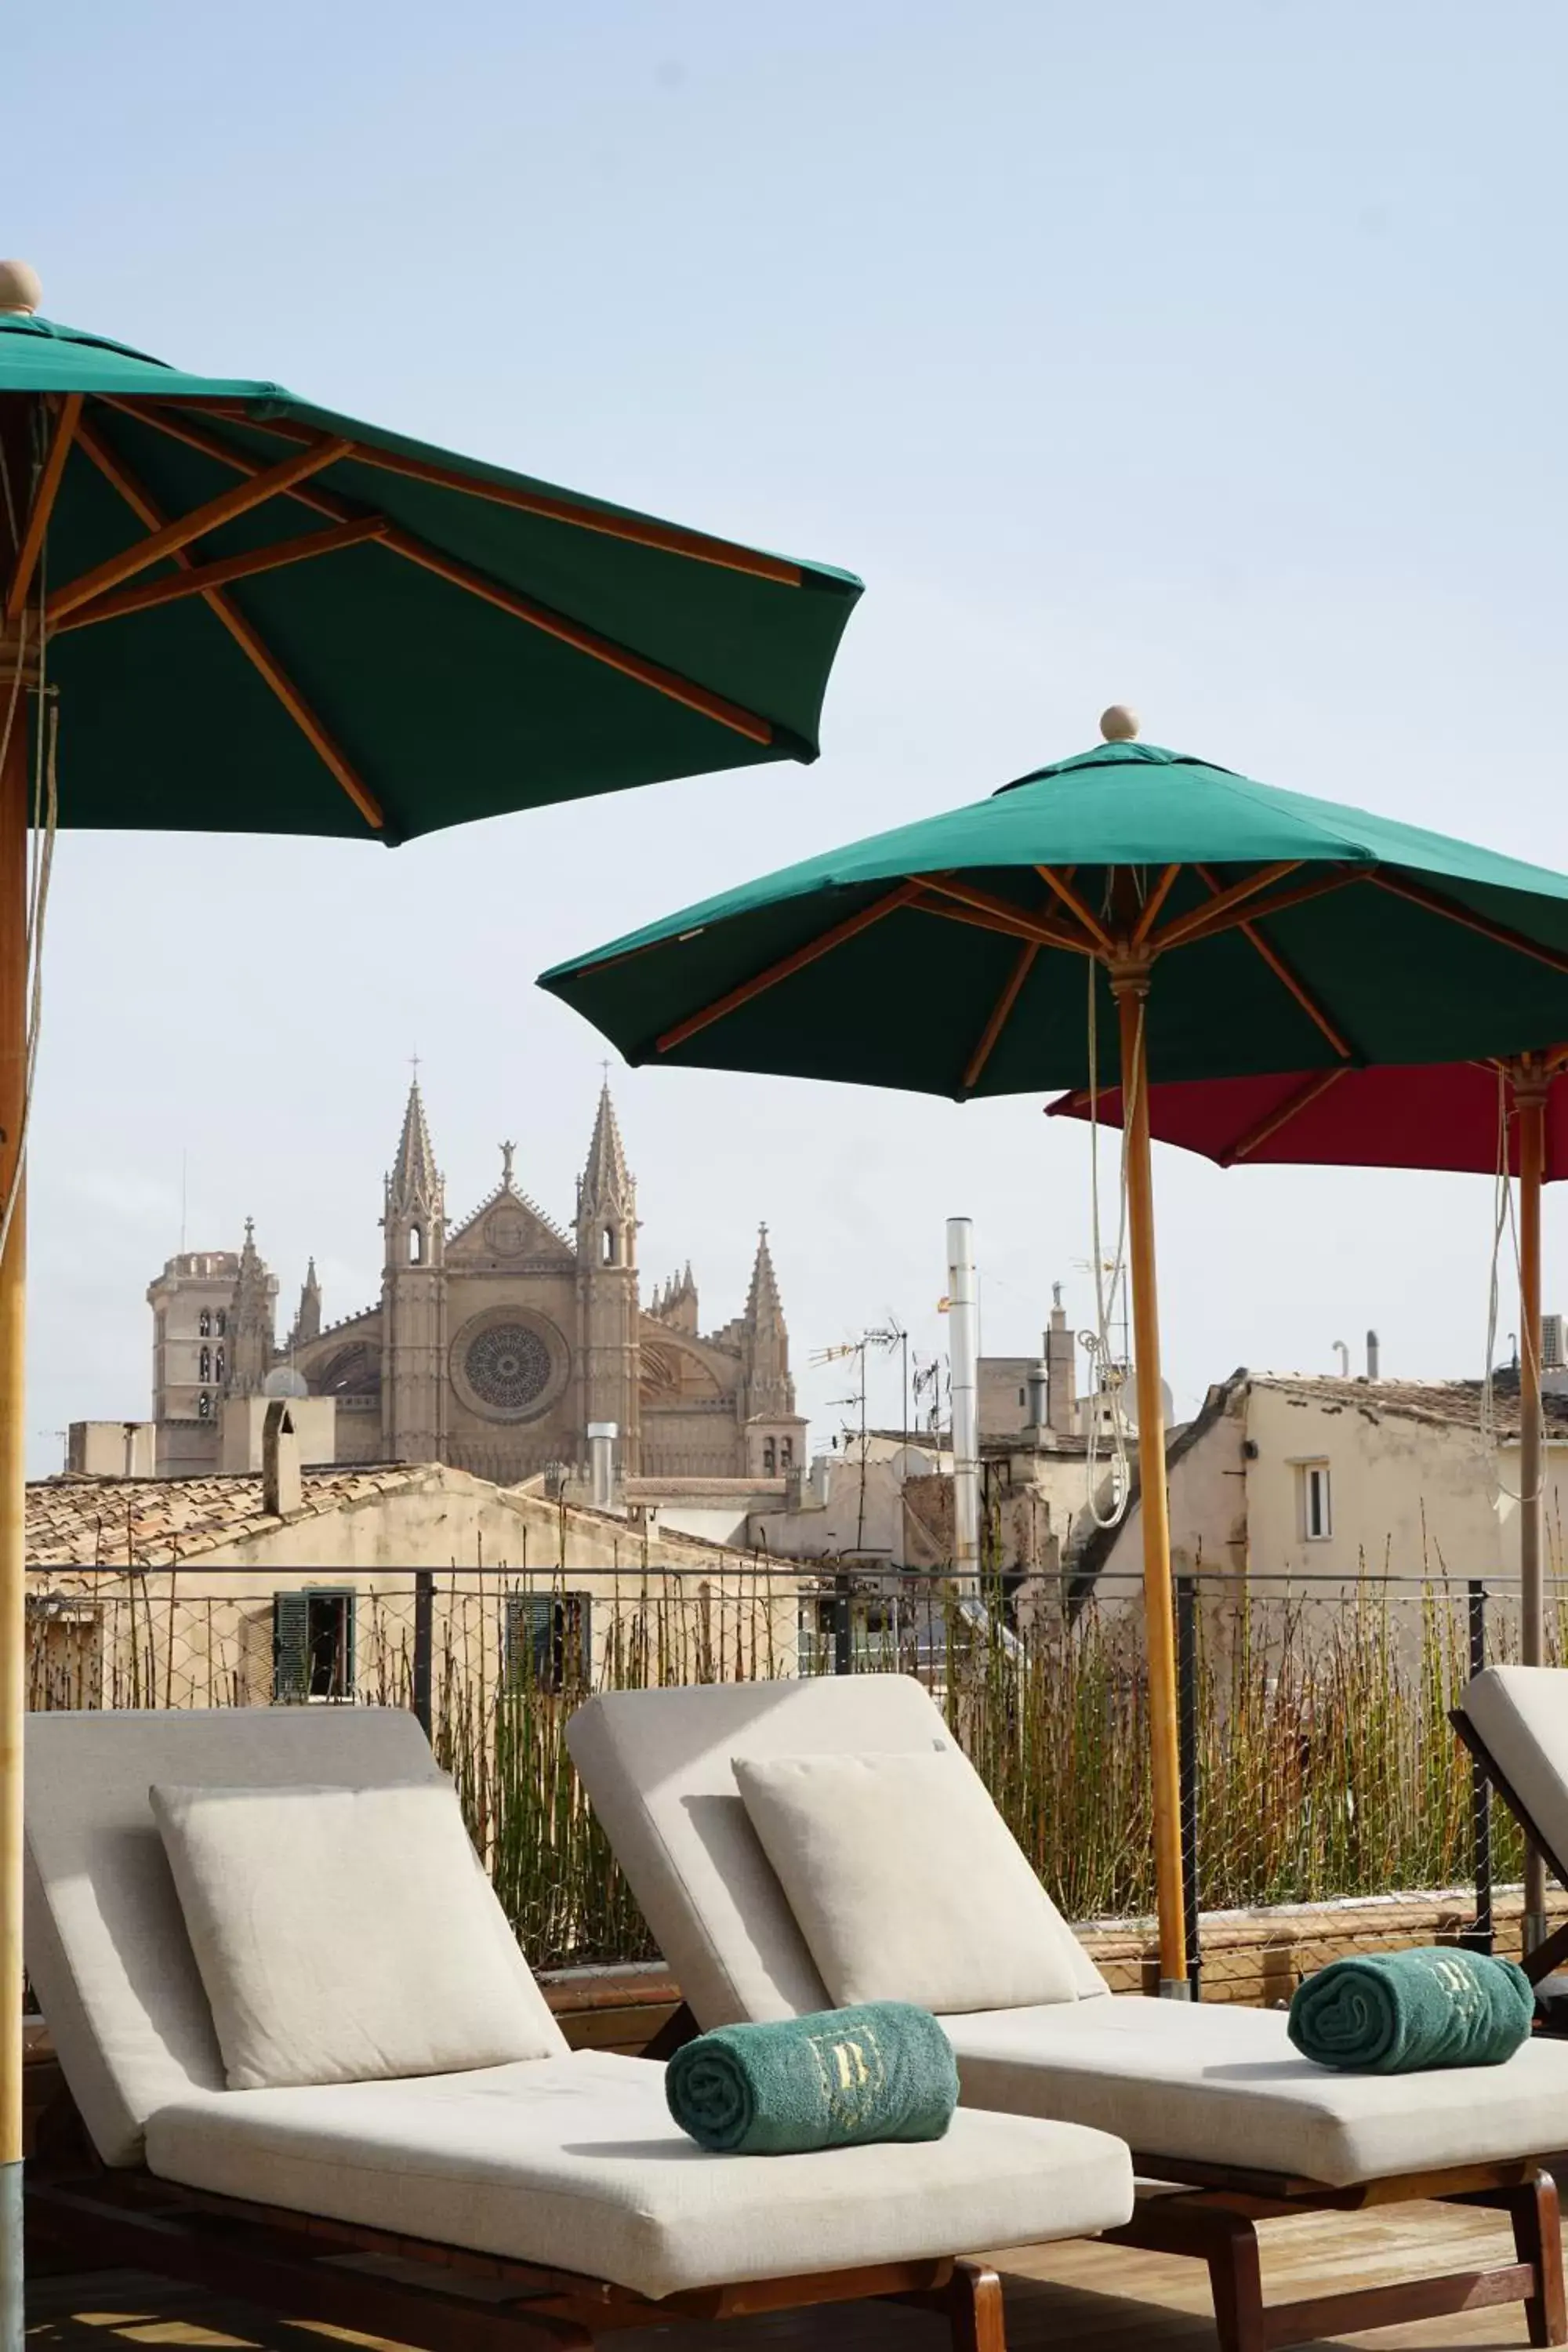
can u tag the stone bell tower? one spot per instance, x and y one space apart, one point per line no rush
414 1297
607 1310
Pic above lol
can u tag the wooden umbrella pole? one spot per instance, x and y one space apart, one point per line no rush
1529 1099
12 1474
1130 985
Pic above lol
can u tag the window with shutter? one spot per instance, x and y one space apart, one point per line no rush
312 1644
548 1639
291 1649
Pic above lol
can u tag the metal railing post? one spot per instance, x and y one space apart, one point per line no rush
1480 1937
843 1629
1187 1750
424 1644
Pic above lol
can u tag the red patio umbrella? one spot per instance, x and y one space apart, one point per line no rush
1476 1117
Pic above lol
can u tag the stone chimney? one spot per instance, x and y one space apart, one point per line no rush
282 1492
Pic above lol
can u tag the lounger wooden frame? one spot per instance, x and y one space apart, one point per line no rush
1553 1952
437 2297
1210 2212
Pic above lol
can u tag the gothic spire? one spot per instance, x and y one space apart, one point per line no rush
763 1307
250 1321
606 1179
307 1320
414 1183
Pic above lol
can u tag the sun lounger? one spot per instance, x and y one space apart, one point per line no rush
551 2196
1212 2099
1514 1719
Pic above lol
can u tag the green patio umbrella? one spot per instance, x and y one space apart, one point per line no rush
1215 926
255 616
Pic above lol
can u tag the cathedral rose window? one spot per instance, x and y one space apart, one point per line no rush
508 1366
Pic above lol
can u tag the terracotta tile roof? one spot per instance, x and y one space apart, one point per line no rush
1457 1403
76 1521
80 1522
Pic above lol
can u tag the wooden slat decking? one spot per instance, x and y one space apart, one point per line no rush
1099 2298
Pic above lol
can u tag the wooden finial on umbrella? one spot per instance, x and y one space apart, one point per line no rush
21 287
1119 724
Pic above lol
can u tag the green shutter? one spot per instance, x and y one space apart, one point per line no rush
346 1688
530 1639
547 1640
290 1648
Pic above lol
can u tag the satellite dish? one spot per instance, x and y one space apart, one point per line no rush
286 1382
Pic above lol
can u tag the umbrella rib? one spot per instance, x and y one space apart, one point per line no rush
1003 916
200 577
67 418
179 533
583 640
1076 905
1156 899
668 682
250 644
1201 918
1233 919
1435 903
668 538
1286 977
1000 1013
972 919
795 962
1261 1129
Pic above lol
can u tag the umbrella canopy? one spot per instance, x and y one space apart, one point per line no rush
1186 919
1441 1115
949 956
1481 1116
264 617
257 615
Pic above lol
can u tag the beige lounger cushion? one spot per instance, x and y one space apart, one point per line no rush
1219 2084
575 2162
658 1766
1521 1714
1204 2083
344 1935
906 1881
106 1945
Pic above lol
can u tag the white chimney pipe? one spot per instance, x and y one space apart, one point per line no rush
964 1347
1371 1355
602 1436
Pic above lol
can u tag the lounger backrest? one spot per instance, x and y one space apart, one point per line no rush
107 1950
1521 1714
658 1766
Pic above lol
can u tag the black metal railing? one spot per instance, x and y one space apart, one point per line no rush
1317 1759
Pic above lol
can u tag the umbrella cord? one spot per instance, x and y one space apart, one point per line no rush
41 855
1504 1219
1108 1378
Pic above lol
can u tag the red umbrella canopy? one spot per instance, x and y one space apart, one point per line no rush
1429 1114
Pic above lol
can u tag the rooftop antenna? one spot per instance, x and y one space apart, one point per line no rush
184 1171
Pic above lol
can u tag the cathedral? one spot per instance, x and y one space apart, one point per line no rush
495 1342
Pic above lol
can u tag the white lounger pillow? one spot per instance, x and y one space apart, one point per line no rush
347 1935
906 1884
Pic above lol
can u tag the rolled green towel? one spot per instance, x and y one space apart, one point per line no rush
883 2070
1402 2013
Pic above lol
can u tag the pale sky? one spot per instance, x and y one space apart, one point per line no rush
1208 358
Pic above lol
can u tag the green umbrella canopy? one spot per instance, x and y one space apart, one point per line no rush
950 956
393 633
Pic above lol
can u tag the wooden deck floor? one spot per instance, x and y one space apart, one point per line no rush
1064 2296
